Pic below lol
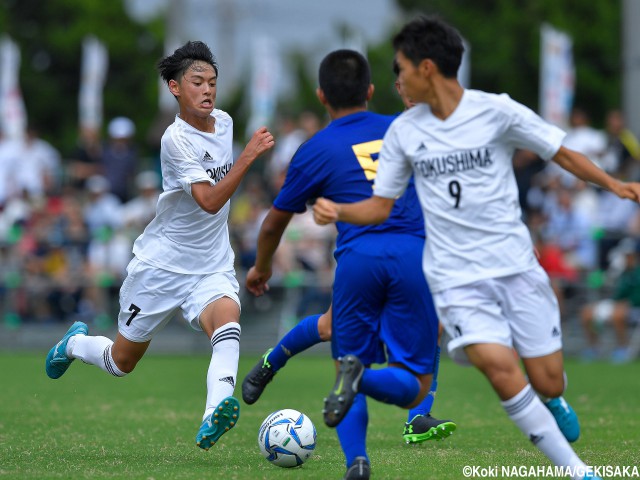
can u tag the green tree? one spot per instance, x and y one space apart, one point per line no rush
50 34
504 36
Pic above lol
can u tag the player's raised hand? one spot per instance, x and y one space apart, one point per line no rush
256 281
325 211
630 190
261 141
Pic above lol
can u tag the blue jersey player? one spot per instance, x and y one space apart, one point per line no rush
381 301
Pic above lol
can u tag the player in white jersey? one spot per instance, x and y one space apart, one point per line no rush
183 260
489 290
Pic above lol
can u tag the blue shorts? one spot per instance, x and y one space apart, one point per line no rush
382 306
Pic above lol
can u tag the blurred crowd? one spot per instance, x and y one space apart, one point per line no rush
68 222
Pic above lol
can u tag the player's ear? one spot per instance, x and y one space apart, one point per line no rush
174 88
370 91
321 97
427 67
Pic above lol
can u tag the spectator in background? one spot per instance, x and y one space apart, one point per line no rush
619 310
622 155
85 160
616 219
583 138
10 156
102 209
109 250
292 133
140 210
40 169
120 157
571 230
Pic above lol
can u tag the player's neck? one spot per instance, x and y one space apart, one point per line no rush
445 97
343 112
204 124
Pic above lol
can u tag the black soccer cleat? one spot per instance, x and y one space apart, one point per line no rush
359 470
424 427
256 380
339 401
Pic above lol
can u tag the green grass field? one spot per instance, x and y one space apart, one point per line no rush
89 425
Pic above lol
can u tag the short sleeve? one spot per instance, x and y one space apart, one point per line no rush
394 170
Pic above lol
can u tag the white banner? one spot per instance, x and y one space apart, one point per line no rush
265 72
93 76
13 117
557 76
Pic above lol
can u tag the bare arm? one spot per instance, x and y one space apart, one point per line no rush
584 169
373 210
211 198
269 238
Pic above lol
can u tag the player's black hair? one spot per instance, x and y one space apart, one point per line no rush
432 38
344 77
173 66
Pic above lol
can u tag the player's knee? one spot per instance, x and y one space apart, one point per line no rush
324 328
501 376
549 390
552 386
125 364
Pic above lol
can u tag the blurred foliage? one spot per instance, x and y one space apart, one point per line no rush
50 33
504 36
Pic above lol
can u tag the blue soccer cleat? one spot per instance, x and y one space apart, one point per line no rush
565 417
57 361
221 420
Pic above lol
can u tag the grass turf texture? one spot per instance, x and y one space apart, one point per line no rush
89 425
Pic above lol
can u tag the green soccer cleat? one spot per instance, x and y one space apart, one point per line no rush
57 361
257 379
221 420
565 417
344 392
424 427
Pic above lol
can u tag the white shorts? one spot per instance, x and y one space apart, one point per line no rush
519 311
151 296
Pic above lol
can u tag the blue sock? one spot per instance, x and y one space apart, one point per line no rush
390 385
304 335
424 408
352 430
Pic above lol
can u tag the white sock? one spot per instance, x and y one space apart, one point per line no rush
223 369
537 423
94 351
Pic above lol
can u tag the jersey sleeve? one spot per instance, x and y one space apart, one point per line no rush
394 171
181 163
527 130
302 182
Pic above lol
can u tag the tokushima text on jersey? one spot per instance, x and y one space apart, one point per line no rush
216 174
433 167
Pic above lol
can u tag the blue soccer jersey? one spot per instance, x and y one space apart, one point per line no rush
340 163
382 307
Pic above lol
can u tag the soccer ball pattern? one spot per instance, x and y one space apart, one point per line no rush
287 438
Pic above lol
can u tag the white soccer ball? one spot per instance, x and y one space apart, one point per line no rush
287 438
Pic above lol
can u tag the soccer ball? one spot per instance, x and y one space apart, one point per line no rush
287 438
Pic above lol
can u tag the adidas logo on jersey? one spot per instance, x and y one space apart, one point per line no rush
229 380
555 332
422 147
207 157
